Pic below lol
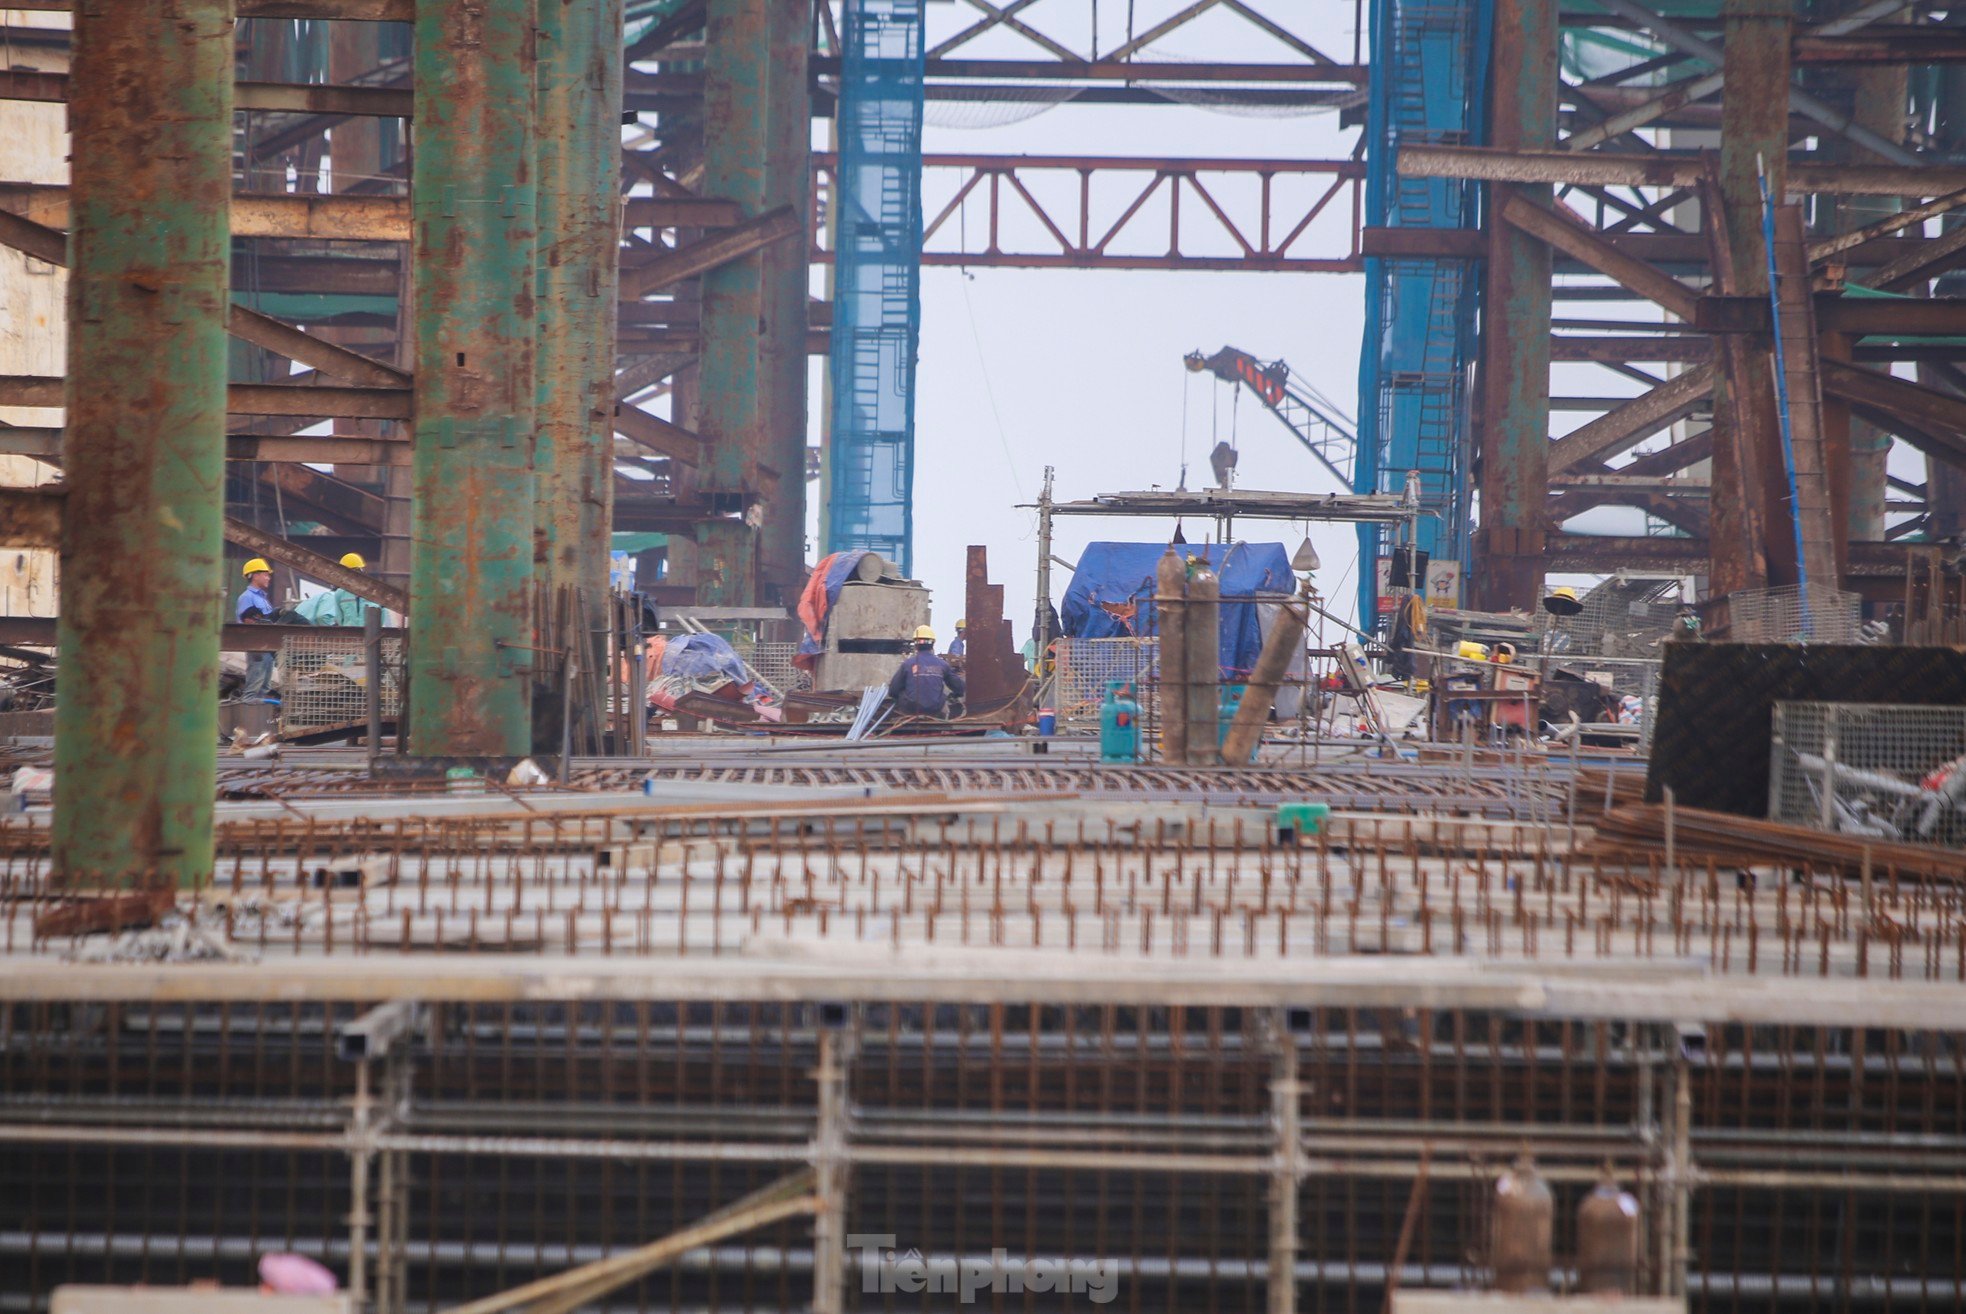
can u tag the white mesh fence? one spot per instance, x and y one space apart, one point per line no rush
1087 666
1795 613
774 662
324 681
1888 770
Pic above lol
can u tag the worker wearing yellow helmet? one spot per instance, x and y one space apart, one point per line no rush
255 607
337 606
924 683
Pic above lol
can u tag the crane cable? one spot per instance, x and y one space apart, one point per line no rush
1187 380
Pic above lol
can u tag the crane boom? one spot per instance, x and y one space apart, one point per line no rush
1324 430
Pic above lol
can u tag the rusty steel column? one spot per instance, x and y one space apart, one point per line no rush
579 264
731 414
1515 310
782 346
1750 489
473 229
143 447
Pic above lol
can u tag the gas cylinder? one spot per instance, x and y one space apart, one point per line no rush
1204 664
1119 724
1607 1238
1520 1246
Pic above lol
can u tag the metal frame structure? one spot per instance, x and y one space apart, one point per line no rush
1222 1056
1636 177
476 455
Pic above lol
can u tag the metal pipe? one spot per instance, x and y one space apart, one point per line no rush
372 691
1246 730
1287 1174
472 198
1202 698
1171 694
143 450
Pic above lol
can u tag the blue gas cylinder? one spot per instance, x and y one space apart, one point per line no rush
1119 724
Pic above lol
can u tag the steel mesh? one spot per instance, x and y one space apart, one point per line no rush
324 681
1894 771
774 662
1087 666
1794 613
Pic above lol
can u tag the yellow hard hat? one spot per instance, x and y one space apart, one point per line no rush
962 623
353 560
1562 601
923 634
256 566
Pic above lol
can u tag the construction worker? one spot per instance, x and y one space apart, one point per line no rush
336 606
956 644
255 607
923 683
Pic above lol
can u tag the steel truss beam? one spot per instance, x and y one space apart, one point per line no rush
1048 212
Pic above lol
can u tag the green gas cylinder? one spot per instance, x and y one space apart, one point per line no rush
1119 724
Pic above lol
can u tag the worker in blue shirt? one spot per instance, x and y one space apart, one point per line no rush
923 683
255 607
956 644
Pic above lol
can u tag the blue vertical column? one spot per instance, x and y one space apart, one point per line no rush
1429 61
877 199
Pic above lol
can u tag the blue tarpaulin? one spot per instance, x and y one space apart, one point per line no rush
703 657
1112 592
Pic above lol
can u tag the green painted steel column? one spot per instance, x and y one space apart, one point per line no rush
579 265
471 197
730 412
787 280
1515 310
136 727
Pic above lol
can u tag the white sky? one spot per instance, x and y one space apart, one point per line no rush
1082 370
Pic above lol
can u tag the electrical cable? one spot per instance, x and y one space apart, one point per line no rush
1187 382
983 368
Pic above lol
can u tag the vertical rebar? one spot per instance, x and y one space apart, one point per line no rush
831 1170
1287 1173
